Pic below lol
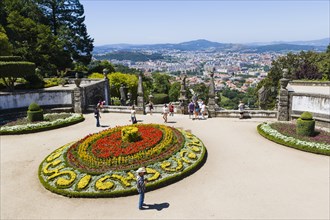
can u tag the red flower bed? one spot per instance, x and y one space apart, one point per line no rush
113 146
106 150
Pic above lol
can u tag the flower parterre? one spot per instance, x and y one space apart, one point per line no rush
106 150
56 174
27 128
267 131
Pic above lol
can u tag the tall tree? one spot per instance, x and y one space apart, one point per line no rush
35 42
5 46
66 18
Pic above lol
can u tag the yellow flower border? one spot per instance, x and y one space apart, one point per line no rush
57 176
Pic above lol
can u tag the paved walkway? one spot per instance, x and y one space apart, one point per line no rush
244 177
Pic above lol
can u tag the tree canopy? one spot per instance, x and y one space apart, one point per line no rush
50 33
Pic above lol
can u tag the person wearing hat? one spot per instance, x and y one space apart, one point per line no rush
141 185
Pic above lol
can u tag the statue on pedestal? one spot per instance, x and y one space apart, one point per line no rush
122 95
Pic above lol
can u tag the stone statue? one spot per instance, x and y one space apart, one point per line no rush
262 96
122 95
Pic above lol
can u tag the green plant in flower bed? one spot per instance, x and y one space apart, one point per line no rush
51 121
285 134
103 165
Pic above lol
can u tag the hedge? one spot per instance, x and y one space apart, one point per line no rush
50 127
291 144
10 58
16 69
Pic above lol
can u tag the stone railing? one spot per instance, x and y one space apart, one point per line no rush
246 114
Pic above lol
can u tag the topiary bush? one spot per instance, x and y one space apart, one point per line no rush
305 124
130 134
35 113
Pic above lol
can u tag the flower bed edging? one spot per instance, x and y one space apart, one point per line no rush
271 134
56 175
42 126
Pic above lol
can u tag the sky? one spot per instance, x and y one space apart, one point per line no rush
170 21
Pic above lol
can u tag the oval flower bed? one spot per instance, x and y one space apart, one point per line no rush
48 124
104 164
319 146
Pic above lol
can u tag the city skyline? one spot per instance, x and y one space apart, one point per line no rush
151 22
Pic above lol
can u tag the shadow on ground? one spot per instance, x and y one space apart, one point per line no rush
156 206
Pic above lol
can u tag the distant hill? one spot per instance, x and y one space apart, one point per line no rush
129 55
320 42
205 45
283 48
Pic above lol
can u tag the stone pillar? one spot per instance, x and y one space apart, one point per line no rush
183 96
211 101
106 88
78 100
140 99
283 102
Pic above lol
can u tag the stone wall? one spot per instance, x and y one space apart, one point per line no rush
18 100
89 93
313 97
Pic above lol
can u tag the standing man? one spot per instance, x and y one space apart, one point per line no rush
241 109
141 185
97 116
191 108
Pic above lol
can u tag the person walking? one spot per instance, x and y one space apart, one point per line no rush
151 107
191 108
133 117
141 185
241 109
171 109
203 108
165 113
97 116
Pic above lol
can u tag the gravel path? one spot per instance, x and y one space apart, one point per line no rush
244 177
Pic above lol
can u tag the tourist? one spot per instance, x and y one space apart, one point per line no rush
97 116
165 112
150 107
203 108
197 110
191 108
241 109
100 104
133 117
171 109
141 185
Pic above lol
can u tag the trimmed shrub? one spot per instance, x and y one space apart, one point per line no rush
306 116
130 134
305 124
10 58
35 113
34 107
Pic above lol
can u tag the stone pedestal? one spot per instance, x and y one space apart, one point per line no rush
106 92
183 108
211 108
211 101
283 105
283 102
78 100
140 99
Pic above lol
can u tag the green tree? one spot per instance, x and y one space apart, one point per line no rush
130 81
66 19
98 67
174 91
5 46
201 90
35 42
12 68
161 83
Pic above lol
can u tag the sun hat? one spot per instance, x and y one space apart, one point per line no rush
141 170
